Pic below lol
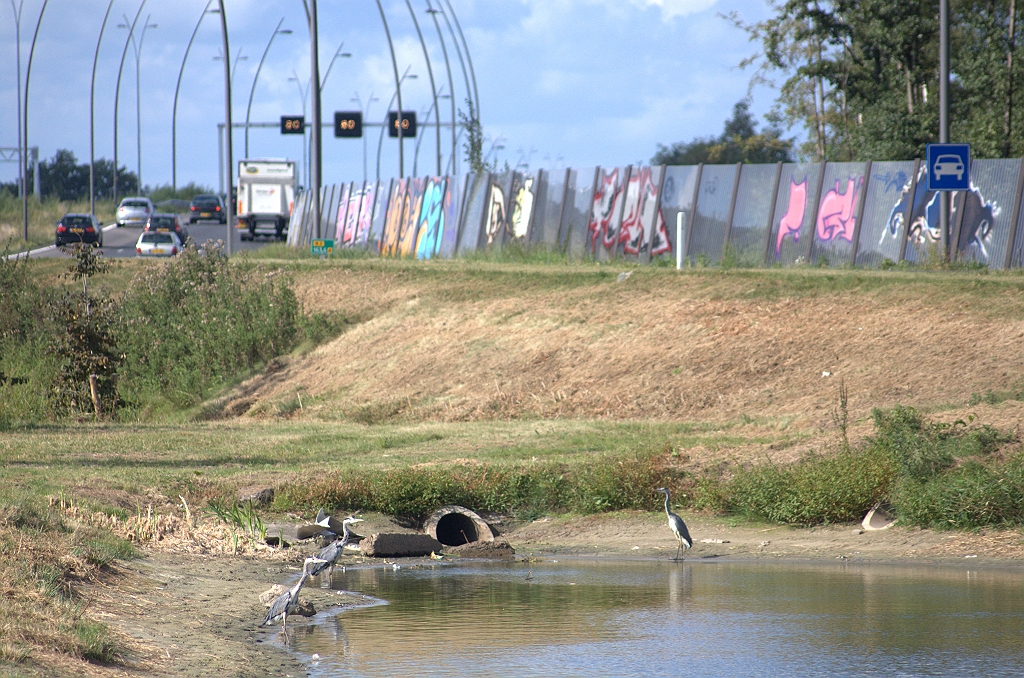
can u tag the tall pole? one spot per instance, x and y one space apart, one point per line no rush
433 87
21 152
117 89
315 134
380 140
944 117
469 59
252 91
28 75
337 53
1008 115
92 115
398 93
458 52
366 116
230 202
451 84
174 111
137 48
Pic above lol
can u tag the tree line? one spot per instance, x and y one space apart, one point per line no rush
860 78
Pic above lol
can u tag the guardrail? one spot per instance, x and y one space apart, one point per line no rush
835 214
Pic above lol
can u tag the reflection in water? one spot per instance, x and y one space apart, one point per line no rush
656 618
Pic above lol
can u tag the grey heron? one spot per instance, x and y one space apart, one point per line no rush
676 524
329 554
286 603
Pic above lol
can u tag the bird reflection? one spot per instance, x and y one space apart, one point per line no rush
679 586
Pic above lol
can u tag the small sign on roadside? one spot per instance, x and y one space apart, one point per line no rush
322 247
949 167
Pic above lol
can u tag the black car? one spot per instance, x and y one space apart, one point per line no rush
167 222
207 206
82 228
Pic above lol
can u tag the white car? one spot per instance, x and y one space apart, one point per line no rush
949 165
158 244
134 211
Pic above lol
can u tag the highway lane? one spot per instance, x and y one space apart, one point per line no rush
120 242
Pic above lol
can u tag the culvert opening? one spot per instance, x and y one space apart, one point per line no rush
456 529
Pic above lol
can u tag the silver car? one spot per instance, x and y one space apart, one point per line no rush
158 244
135 211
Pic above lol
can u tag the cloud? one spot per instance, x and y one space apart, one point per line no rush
673 8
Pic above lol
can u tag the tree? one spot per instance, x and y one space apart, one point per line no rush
63 178
739 142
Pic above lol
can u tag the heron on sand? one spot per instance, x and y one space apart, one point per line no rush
329 554
286 603
678 527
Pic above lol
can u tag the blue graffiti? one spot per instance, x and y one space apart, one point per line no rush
432 218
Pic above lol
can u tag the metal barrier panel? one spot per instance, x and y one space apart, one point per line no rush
407 240
984 232
606 212
794 211
341 212
375 240
637 238
454 190
713 200
549 209
1018 247
754 199
676 206
431 224
924 235
836 221
355 196
398 205
631 232
473 213
296 219
577 208
496 216
365 213
885 207
523 198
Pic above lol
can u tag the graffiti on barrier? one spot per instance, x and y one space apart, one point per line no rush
837 212
397 206
407 239
522 209
790 223
339 223
924 231
432 219
495 226
353 206
607 199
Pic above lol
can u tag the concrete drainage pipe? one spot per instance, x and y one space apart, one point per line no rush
457 525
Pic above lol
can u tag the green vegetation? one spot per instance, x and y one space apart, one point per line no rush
42 219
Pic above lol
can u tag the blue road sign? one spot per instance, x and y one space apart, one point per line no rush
949 167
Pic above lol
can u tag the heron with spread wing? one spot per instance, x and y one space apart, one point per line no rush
329 554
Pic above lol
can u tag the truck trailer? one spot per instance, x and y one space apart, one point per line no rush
266 196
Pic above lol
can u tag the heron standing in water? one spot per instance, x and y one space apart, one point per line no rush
286 603
678 527
329 554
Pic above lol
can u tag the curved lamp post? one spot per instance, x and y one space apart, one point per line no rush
230 202
177 89
117 89
303 94
451 84
28 75
419 139
137 49
366 116
398 93
469 59
252 91
433 87
337 53
17 40
92 115
380 140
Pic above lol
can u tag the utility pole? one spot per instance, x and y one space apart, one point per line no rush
315 133
944 117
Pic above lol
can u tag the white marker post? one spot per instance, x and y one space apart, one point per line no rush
679 240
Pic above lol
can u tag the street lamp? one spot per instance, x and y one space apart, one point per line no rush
469 59
398 93
229 235
366 116
21 157
23 138
92 114
234 68
137 49
380 141
337 53
303 94
252 91
419 141
451 84
177 89
433 87
117 94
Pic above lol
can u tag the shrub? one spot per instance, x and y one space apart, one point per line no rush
970 496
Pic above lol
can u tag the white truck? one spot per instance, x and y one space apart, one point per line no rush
266 196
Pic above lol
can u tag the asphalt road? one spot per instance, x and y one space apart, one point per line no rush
120 242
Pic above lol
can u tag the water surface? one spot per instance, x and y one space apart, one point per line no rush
646 618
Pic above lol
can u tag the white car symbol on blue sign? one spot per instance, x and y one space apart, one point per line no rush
949 167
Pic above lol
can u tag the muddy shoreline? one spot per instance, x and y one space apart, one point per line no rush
184 614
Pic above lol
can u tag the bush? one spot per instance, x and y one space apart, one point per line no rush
970 496
188 327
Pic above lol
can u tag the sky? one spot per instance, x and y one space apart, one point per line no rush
561 82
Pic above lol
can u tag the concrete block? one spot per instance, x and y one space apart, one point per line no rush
399 545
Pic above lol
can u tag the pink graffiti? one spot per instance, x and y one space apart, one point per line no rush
790 223
836 215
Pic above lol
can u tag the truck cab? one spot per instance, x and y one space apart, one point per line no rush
266 196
